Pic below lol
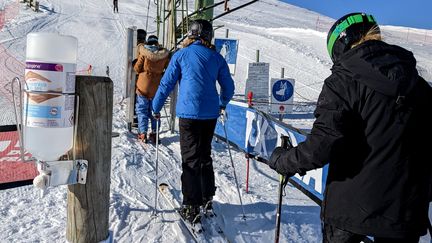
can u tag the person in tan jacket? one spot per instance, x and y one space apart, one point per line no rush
151 63
141 41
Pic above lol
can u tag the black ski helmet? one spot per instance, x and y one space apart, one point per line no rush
141 36
348 30
200 29
152 40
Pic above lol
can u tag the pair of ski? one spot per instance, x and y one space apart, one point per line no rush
206 231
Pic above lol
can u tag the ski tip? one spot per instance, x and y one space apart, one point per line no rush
163 186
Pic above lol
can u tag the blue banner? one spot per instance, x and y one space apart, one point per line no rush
259 134
227 48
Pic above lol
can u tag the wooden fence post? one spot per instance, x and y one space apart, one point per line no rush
257 55
88 205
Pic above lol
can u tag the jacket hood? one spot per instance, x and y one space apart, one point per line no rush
387 69
160 54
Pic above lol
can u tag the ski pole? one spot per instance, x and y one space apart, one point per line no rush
284 144
157 163
232 163
247 173
166 115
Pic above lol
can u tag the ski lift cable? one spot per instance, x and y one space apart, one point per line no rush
234 9
194 13
148 10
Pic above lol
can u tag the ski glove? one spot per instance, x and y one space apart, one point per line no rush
277 158
223 114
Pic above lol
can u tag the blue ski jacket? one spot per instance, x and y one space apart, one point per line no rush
196 68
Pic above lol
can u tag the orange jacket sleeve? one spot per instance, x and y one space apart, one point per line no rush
139 65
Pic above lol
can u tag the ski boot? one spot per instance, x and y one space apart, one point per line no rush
142 137
152 138
191 213
208 207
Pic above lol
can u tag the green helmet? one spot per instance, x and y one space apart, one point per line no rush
348 30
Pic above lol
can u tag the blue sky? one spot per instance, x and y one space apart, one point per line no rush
409 13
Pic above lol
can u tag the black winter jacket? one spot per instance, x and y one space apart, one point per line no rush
374 128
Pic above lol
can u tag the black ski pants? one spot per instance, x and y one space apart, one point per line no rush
115 3
332 234
197 179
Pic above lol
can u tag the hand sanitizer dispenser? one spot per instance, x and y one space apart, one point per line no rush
49 94
48 107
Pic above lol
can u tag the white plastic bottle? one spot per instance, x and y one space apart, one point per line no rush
49 117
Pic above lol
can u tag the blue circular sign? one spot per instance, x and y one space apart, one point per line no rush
282 90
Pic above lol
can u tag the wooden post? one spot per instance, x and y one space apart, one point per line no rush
130 75
226 33
257 55
129 50
88 205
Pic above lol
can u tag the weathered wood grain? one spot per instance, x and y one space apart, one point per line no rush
88 205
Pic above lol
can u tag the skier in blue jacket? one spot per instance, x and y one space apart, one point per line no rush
196 67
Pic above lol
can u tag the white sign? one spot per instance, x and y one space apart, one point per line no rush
258 83
282 95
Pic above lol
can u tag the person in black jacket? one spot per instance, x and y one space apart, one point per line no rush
373 127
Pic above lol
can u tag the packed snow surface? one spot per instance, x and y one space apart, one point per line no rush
287 37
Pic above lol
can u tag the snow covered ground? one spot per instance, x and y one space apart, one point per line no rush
287 36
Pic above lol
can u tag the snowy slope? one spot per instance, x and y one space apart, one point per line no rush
287 36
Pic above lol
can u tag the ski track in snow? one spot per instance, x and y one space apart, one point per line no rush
287 39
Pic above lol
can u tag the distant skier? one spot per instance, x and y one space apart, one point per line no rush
150 65
115 3
90 69
373 124
196 68
141 40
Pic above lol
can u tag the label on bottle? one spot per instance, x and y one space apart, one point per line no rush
48 110
50 77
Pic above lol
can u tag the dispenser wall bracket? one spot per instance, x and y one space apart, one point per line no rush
82 171
66 172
